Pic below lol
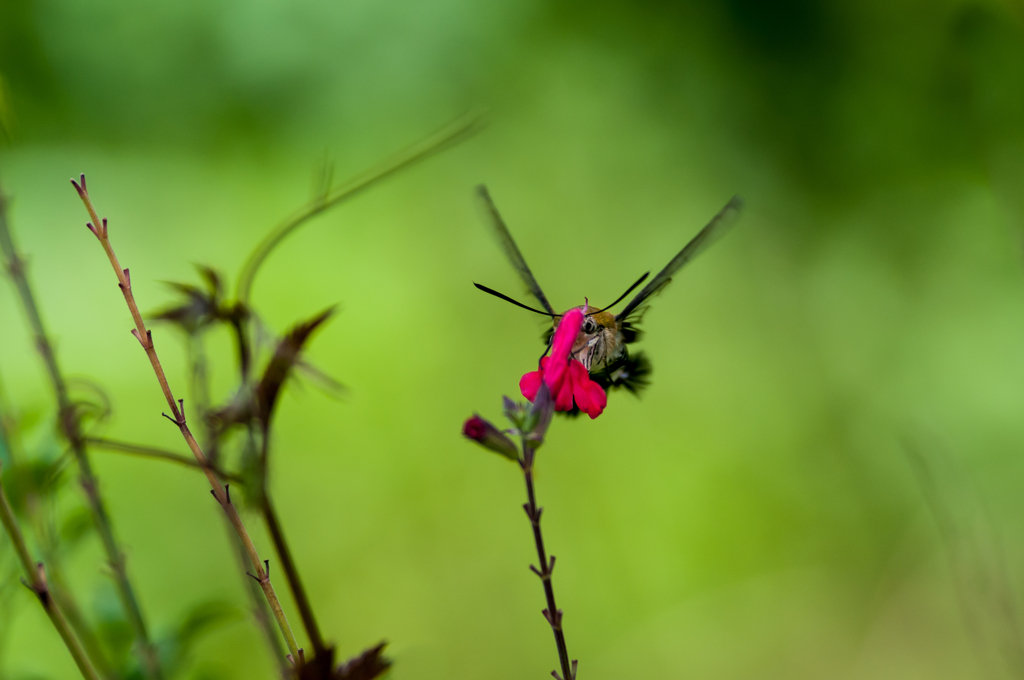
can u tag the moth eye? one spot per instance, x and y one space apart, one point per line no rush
589 326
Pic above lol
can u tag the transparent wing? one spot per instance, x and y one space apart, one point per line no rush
510 247
718 225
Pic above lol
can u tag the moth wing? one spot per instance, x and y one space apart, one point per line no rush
711 232
508 245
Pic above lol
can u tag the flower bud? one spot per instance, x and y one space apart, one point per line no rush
490 437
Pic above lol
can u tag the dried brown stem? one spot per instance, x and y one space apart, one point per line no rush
71 428
145 338
35 575
260 610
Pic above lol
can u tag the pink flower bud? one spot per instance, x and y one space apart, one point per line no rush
490 437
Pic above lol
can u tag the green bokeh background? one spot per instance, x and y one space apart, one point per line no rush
755 515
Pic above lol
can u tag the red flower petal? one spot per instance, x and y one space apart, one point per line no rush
475 428
563 400
529 384
598 399
578 378
589 396
561 345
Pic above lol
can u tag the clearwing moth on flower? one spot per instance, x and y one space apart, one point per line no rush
598 355
565 376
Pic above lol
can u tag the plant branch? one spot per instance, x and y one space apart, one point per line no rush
51 553
553 614
145 338
71 428
447 136
36 582
291 572
201 396
160 454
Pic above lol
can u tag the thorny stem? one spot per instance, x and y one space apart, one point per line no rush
274 527
201 395
36 582
553 614
145 338
71 428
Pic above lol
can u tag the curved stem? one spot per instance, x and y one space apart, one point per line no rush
70 426
36 582
145 338
450 134
159 454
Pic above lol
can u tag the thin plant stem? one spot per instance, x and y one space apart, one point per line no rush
553 614
114 445
447 136
284 553
36 581
270 517
145 338
292 574
71 428
68 605
201 396
260 610
46 539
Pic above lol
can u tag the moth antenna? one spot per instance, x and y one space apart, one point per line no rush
491 291
623 296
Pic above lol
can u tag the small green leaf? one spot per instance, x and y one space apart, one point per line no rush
76 525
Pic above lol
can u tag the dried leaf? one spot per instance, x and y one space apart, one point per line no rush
369 665
319 668
199 307
286 356
366 666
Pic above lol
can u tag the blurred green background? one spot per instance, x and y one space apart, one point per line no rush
755 515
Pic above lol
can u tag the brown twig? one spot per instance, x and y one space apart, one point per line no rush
160 454
35 574
201 397
71 428
145 338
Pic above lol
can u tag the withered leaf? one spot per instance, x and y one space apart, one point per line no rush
369 665
319 667
199 307
281 364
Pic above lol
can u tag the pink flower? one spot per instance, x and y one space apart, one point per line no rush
566 378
